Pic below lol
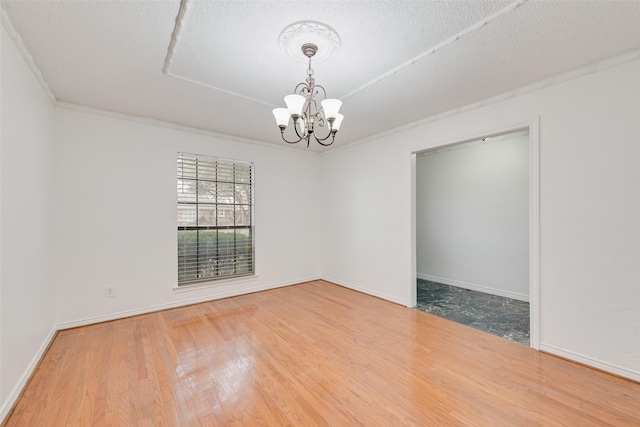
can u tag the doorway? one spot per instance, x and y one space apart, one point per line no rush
475 235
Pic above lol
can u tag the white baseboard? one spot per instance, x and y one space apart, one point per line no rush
366 291
17 389
473 287
174 304
590 361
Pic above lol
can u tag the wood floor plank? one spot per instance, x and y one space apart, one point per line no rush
313 354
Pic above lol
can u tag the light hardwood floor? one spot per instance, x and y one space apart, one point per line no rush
310 354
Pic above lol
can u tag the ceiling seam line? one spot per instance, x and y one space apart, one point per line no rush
511 7
175 35
228 92
168 61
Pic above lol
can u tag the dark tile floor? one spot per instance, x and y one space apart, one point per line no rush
500 316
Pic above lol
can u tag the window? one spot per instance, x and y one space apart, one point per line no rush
215 219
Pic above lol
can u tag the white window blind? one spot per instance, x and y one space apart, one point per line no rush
215 218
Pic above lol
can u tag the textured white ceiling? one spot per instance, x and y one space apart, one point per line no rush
110 55
212 36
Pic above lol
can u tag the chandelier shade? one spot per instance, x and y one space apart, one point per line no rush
331 108
282 116
295 104
337 122
302 109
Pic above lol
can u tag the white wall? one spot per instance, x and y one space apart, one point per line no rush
115 192
26 169
472 216
589 218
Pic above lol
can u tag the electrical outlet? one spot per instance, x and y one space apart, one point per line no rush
109 292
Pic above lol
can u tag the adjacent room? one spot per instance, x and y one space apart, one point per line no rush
234 213
473 223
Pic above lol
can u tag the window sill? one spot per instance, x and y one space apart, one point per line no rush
214 283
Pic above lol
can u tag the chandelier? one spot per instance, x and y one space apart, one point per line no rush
302 108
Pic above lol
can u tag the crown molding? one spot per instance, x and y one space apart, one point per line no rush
17 41
179 127
543 84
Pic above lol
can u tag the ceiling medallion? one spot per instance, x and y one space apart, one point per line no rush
323 36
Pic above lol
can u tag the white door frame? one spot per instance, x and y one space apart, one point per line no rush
534 212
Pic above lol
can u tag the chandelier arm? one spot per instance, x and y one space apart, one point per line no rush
300 87
331 133
324 92
295 128
321 122
287 141
303 117
320 140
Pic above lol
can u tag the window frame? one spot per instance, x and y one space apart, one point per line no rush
243 175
